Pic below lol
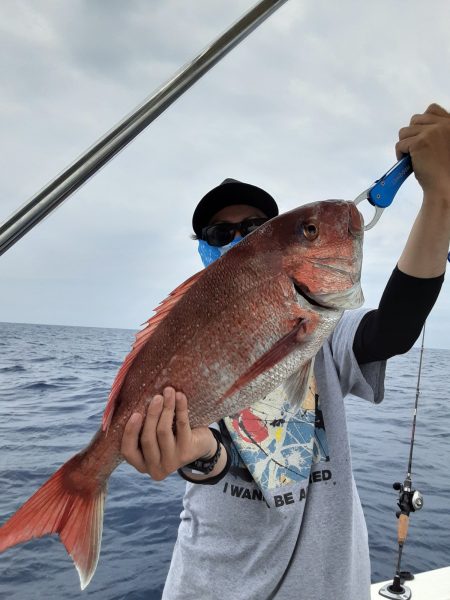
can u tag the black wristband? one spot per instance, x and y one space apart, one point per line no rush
224 440
205 466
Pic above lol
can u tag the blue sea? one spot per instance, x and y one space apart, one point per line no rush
54 382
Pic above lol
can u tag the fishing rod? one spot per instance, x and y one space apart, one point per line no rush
77 173
409 501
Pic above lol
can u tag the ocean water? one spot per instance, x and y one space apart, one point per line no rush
54 382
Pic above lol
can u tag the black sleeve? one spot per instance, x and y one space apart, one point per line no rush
396 324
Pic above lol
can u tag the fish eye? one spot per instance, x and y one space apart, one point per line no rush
310 231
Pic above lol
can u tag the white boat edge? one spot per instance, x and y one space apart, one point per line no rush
430 585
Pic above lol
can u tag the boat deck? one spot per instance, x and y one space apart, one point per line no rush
431 585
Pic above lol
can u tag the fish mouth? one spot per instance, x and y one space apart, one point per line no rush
309 299
343 300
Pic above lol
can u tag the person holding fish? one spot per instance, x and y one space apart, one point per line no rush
277 514
238 382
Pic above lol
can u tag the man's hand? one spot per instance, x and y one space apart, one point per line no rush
427 140
163 441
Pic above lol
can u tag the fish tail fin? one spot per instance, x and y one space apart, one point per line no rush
69 504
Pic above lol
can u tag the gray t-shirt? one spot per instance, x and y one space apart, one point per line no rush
310 540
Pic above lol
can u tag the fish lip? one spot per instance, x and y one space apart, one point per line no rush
301 292
352 298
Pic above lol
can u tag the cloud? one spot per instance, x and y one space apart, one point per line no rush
308 106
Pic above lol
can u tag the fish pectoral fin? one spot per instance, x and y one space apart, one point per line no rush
280 350
296 385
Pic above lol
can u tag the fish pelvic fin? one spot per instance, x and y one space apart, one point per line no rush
63 506
296 385
142 338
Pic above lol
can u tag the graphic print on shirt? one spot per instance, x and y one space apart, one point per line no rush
280 443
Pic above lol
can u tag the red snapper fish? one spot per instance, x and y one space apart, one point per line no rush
226 337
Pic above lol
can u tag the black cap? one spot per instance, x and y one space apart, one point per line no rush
229 192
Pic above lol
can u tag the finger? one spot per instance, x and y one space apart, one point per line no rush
436 109
149 440
407 132
402 147
424 119
183 427
130 443
164 429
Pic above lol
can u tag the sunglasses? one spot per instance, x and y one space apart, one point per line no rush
222 234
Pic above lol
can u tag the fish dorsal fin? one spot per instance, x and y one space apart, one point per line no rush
142 338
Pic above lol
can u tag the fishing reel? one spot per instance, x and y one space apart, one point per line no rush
409 500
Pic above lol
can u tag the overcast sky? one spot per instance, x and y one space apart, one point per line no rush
307 107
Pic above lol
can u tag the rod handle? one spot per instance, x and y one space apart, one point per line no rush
402 529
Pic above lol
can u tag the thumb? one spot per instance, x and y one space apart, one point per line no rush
130 447
436 109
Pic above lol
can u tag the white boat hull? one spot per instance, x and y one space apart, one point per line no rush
431 585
